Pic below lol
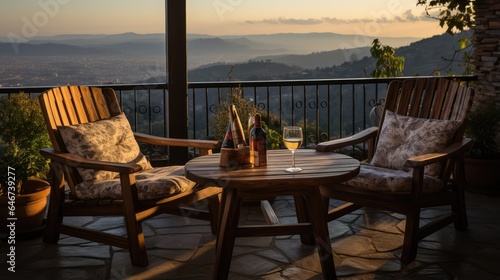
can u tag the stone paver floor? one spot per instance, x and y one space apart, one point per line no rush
366 245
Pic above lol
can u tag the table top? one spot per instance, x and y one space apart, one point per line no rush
317 168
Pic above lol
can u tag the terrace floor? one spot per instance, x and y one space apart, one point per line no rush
366 245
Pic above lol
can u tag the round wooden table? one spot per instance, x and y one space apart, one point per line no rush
260 183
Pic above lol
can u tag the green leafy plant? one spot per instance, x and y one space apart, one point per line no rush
388 64
23 132
482 127
246 109
455 14
274 139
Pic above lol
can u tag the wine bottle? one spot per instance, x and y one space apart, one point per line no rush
258 145
237 129
228 139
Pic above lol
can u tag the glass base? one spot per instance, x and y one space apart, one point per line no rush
293 169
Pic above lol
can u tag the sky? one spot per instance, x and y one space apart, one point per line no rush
394 18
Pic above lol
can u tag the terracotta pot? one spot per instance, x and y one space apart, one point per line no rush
29 207
482 176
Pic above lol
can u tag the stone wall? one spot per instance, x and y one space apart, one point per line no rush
487 52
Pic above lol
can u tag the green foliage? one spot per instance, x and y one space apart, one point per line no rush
274 139
245 109
457 15
465 43
482 126
388 64
22 129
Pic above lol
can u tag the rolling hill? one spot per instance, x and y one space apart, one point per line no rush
422 58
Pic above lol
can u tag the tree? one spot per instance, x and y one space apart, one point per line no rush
457 15
388 65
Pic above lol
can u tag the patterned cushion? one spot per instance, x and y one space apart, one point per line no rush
402 137
152 183
379 179
105 140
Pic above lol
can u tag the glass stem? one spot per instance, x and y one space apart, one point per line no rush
293 158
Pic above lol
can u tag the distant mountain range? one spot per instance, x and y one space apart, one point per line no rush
138 58
203 49
421 58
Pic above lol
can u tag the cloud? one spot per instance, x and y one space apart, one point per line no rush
407 16
288 21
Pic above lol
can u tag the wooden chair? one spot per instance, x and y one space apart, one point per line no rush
427 98
78 105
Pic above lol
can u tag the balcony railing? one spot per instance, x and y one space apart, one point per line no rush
325 108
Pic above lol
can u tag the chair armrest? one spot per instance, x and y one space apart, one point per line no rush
78 161
448 153
162 141
360 137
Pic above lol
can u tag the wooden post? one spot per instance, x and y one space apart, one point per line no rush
176 41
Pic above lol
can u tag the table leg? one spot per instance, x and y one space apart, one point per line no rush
303 217
227 232
320 229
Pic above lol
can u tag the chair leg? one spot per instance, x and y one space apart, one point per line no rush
137 246
136 242
54 217
54 214
135 236
410 242
460 207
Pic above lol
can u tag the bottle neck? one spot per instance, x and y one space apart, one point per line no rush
257 121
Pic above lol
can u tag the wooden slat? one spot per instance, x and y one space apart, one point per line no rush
58 106
450 101
112 101
464 96
100 103
405 97
88 104
416 99
437 105
430 90
77 98
460 104
50 120
392 96
269 213
69 106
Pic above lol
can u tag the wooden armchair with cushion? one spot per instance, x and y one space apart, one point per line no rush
96 155
415 158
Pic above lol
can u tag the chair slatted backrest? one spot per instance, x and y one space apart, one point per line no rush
70 105
430 98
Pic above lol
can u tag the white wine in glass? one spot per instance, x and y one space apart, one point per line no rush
292 137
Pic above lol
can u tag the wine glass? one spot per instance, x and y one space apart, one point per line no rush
292 137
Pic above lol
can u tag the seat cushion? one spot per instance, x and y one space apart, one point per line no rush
379 179
105 140
402 137
151 184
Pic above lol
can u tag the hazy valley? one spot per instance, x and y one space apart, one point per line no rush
137 58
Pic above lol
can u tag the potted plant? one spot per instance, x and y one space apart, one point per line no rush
482 162
23 189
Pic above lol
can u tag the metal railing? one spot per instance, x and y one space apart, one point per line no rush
325 108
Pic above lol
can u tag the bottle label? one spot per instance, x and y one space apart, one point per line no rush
258 154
